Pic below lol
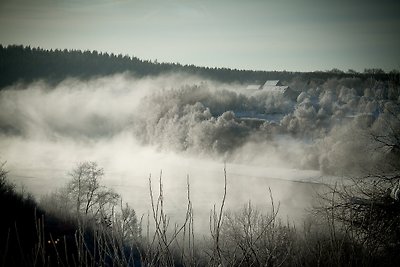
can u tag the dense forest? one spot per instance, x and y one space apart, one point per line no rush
25 64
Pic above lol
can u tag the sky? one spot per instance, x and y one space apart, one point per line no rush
293 35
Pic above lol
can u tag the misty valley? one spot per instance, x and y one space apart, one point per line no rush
273 171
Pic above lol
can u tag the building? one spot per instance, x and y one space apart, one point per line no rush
272 83
274 87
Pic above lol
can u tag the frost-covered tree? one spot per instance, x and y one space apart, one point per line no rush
90 198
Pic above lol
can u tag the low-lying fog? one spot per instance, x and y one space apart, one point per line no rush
186 126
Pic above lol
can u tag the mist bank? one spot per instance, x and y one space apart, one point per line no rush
330 127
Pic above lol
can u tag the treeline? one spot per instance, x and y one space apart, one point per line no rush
25 64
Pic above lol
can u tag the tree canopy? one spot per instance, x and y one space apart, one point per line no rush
25 64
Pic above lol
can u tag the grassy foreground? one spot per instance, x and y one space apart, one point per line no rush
35 236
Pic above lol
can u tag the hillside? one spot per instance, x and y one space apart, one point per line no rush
25 64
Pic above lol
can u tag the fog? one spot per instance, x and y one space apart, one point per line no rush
188 127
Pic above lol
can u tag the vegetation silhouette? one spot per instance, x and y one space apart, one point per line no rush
25 64
249 237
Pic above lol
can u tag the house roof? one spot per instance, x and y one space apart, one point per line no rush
275 88
272 83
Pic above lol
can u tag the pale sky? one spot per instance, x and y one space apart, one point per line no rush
293 35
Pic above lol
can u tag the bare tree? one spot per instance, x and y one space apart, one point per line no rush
90 198
369 206
4 185
126 224
251 238
386 131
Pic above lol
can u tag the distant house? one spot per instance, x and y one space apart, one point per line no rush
272 83
274 87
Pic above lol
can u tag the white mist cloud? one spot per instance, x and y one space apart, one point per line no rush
185 125
188 114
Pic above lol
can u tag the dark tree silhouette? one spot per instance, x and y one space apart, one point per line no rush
26 64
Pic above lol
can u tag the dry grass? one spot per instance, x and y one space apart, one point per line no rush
248 237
